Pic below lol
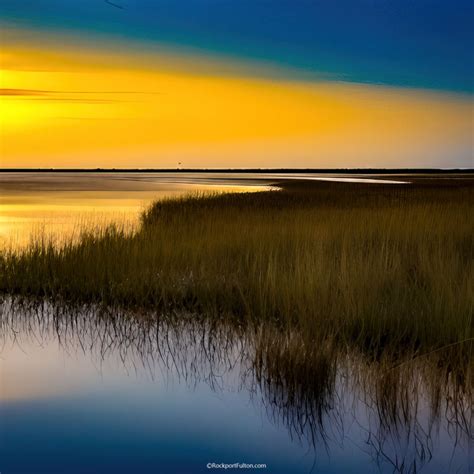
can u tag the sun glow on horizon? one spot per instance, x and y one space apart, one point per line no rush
68 106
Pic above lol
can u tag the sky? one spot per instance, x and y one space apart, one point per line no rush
231 84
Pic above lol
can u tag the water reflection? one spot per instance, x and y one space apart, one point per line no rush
61 205
312 407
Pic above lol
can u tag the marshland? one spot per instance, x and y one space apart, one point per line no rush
335 319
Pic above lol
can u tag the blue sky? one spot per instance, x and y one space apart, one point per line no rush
409 43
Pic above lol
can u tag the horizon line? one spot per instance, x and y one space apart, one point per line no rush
237 170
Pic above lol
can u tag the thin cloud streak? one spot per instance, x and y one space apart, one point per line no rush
32 92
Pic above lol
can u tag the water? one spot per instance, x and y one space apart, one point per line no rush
84 391
87 391
60 204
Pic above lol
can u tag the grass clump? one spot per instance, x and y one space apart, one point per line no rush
376 266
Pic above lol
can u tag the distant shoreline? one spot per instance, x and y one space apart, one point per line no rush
385 171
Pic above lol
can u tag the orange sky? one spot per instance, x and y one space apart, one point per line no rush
71 106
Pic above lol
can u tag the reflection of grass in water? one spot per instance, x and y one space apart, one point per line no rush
399 403
374 266
317 392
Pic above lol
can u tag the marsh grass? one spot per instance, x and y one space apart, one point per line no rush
383 268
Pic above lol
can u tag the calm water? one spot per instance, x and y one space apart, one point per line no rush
60 204
88 392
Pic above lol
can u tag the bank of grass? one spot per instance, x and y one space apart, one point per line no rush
376 266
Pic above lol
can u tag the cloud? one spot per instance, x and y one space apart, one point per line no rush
36 94
23 92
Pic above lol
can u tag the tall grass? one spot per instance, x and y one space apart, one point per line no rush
376 266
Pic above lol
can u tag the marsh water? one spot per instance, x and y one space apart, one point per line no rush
94 390
60 204
86 390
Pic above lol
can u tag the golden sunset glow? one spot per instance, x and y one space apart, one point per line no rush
71 107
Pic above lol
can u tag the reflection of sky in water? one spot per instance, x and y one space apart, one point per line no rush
64 413
60 205
69 403
121 422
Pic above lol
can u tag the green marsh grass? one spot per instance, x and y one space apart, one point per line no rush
384 268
